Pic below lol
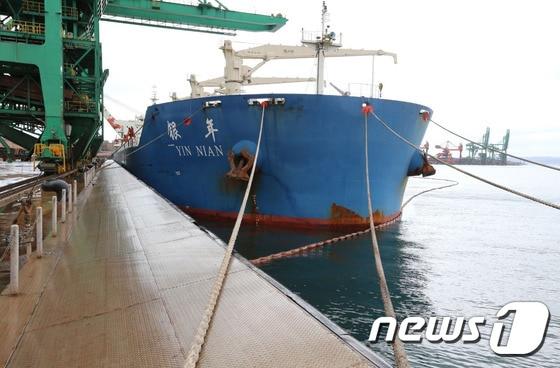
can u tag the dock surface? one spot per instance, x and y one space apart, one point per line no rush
125 283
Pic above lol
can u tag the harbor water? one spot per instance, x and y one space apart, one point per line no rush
464 251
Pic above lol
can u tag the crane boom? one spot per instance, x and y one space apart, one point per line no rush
167 14
220 81
237 74
272 52
111 120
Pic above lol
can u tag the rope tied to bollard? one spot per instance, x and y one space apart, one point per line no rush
196 348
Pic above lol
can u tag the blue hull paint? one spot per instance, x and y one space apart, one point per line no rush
312 154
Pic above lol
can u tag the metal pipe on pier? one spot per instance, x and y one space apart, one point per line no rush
39 235
14 259
54 216
63 207
70 203
75 190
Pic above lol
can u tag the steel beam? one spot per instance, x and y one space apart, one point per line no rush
18 137
48 58
202 15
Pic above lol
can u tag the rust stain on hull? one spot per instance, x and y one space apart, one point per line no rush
345 218
343 214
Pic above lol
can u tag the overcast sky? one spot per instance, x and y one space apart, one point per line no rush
475 63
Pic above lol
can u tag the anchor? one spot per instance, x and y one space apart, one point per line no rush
240 169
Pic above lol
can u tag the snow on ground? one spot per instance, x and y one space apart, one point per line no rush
15 171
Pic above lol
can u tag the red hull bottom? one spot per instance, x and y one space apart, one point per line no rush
291 222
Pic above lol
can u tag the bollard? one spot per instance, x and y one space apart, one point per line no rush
14 259
54 216
39 236
63 206
70 204
75 191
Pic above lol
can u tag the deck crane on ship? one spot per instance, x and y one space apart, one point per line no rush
238 75
315 45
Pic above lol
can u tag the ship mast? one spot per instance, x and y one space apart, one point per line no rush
321 52
324 42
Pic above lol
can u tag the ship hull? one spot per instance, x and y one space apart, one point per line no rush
311 167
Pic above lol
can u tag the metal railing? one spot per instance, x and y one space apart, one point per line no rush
32 6
79 106
39 7
69 11
28 27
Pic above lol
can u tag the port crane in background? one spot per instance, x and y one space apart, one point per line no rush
503 146
52 79
484 151
479 151
112 121
119 128
125 129
446 151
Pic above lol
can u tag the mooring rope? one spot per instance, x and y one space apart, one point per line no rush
204 325
312 246
145 144
138 148
453 183
123 143
401 360
305 248
497 150
510 190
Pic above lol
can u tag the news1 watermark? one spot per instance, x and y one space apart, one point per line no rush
527 329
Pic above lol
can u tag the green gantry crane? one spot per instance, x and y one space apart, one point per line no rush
489 153
51 74
482 147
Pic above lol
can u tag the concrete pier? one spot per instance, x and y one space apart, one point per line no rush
125 283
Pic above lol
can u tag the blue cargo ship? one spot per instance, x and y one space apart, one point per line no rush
198 151
311 164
